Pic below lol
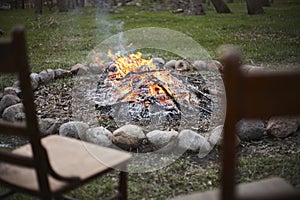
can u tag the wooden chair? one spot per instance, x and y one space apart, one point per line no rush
50 166
258 94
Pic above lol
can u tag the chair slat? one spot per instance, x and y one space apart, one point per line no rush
17 128
256 94
269 94
12 158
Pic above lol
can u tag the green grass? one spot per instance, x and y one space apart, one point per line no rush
251 169
60 40
186 176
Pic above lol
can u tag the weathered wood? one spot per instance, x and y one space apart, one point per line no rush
61 151
255 94
46 167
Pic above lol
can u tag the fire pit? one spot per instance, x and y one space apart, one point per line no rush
134 90
147 105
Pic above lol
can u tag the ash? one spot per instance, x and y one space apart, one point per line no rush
184 103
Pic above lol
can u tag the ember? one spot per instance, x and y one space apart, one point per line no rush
133 89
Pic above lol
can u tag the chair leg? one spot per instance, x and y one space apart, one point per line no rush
123 180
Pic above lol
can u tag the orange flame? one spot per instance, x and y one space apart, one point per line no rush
142 71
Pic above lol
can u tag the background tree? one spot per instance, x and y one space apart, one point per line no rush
80 3
62 5
220 6
266 3
254 7
38 7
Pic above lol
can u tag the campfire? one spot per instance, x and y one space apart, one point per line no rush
132 89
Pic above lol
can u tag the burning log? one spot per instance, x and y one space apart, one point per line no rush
134 89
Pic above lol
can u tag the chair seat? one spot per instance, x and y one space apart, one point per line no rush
68 156
263 189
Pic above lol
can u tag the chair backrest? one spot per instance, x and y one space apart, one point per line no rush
252 95
14 60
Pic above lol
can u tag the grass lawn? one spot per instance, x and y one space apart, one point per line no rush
60 40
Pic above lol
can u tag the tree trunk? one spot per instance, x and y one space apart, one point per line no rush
220 6
254 7
266 3
80 3
50 4
62 5
71 4
38 7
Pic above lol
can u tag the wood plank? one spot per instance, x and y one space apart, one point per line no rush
13 128
269 94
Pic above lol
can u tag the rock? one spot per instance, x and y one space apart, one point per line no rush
16 84
51 74
182 65
161 138
215 65
128 137
190 140
44 76
61 73
8 100
14 113
16 87
170 64
48 126
10 90
179 10
282 126
79 69
99 135
131 3
215 136
95 68
36 77
250 129
204 150
200 65
159 62
73 129
34 84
